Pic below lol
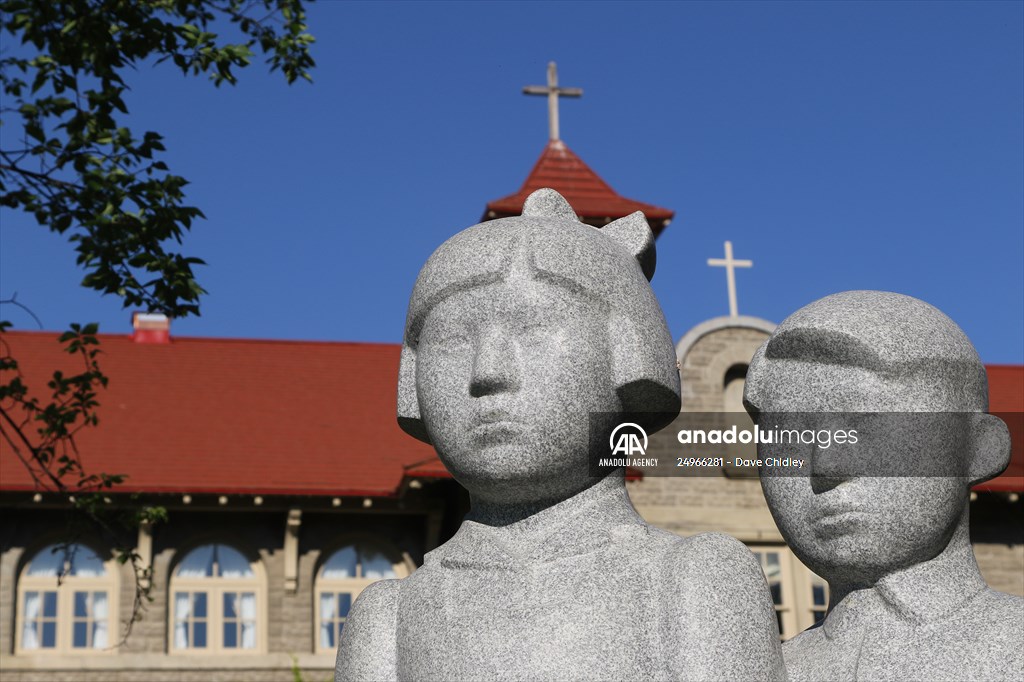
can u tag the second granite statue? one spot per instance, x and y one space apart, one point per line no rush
885 521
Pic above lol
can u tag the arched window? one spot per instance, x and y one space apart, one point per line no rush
218 598
67 602
735 413
345 574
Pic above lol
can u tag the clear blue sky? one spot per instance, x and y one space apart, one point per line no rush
838 145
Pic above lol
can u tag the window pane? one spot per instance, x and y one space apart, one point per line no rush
328 611
778 616
327 634
84 562
181 604
199 635
230 635
376 565
327 604
49 604
771 566
99 634
819 616
81 637
81 604
232 564
181 614
99 606
230 611
197 564
248 611
342 564
49 635
344 604
819 595
47 563
248 635
776 589
29 634
199 604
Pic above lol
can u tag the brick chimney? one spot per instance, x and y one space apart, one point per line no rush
151 328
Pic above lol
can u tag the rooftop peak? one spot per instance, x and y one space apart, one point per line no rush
593 199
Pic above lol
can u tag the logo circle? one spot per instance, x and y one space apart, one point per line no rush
611 439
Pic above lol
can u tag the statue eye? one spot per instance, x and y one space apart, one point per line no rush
535 328
446 336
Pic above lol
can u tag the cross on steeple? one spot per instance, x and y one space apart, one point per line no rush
730 266
552 92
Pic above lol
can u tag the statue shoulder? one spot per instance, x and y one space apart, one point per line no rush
722 608
722 568
713 555
1002 619
367 650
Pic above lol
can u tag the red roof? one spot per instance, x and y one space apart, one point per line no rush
594 200
236 416
1006 399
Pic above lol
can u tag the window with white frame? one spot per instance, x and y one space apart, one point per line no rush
819 597
67 602
217 600
775 564
345 574
800 596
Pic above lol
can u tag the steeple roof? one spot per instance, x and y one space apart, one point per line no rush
595 201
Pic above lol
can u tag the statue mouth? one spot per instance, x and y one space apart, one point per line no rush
841 523
495 415
496 432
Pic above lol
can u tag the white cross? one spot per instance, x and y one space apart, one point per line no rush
730 266
552 92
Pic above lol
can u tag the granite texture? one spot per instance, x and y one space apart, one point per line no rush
907 600
517 330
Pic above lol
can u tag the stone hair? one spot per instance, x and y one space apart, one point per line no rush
612 264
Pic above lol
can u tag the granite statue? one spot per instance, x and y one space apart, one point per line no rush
517 330
907 601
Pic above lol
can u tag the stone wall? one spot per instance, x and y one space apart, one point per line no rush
709 500
1002 566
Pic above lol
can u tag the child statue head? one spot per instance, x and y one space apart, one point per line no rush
913 380
518 330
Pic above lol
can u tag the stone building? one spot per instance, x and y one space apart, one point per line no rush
288 485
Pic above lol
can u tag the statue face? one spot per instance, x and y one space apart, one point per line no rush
849 526
507 375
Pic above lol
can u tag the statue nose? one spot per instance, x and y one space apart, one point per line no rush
828 470
495 365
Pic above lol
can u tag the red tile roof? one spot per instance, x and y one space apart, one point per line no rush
1006 399
237 416
594 200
